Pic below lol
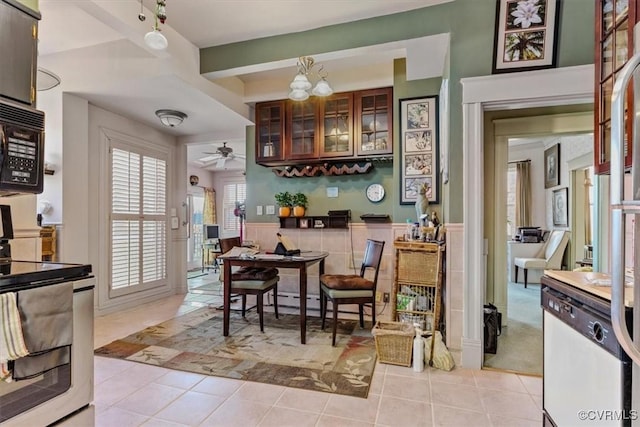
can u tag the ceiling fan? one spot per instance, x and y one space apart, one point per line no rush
220 156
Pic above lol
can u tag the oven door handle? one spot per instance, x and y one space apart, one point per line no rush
620 207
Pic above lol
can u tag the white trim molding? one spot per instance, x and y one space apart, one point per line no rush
558 86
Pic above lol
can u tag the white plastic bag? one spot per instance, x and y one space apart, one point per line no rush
442 359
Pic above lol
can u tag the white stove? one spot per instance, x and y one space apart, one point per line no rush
59 392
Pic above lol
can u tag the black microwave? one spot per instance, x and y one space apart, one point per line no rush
21 149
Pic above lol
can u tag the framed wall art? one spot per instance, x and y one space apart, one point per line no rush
525 35
560 208
419 148
552 166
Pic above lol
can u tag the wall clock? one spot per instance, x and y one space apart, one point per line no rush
375 193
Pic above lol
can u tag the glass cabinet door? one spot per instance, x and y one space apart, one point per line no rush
374 119
614 21
337 126
270 131
346 126
302 129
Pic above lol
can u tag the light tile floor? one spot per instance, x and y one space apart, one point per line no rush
132 394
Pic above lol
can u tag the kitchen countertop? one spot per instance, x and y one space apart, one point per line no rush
21 275
598 284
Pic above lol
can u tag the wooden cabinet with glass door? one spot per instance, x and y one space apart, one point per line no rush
615 20
336 130
346 126
302 129
374 118
270 131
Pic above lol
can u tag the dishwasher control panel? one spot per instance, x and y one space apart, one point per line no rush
592 324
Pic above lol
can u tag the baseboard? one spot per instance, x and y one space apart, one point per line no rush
290 299
472 353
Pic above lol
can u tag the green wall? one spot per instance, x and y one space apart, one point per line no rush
470 24
408 89
262 184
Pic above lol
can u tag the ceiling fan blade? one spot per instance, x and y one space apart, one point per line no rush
209 158
221 162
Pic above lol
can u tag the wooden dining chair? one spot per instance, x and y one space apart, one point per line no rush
252 281
352 288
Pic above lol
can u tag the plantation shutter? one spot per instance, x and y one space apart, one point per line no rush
138 220
233 192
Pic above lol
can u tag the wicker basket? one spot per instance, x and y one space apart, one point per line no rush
394 342
419 266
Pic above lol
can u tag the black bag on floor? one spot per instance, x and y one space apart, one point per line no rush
492 328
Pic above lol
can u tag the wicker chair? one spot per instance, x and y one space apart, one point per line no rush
252 281
352 288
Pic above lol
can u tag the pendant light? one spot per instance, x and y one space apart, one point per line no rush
301 85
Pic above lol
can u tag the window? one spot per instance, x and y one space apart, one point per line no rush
234 192
138 219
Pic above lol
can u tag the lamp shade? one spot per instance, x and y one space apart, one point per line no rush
322 88
171 118
300 82
155 40
299 95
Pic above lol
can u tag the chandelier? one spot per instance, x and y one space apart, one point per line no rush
301 84
154 38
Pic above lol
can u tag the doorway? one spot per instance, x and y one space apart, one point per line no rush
524 138
194 243
516 91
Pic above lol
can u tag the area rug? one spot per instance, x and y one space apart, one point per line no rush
193 342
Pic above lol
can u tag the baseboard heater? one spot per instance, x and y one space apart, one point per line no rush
292 300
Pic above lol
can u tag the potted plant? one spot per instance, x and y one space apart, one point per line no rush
300 203
284 200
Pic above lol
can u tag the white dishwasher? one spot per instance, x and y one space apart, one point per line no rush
586 374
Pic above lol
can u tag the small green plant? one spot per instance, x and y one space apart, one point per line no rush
300 199
284 199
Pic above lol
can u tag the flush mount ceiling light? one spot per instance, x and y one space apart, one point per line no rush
154 38
46 79
171 118
301 85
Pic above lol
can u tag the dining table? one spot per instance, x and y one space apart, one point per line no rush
301 262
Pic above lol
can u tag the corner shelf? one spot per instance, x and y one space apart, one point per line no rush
416 295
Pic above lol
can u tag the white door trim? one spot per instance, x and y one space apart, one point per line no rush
559 86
